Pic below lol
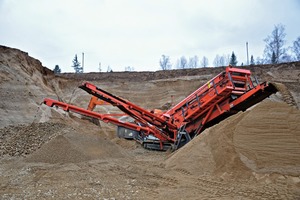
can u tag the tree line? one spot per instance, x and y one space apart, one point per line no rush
275 52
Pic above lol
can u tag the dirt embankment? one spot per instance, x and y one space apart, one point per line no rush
278 72
23 85
18 65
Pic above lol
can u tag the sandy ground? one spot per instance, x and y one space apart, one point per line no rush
48 154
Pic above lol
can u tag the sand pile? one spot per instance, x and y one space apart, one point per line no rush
55 143
59 150
265 139
268 139
76 146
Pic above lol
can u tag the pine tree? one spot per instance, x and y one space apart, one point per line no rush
233 59
109 69
273 58
76 65
252 62
57 69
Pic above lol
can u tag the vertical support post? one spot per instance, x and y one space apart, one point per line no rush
82 61
230 78
182 112
215 87
247 53
256 80
198 101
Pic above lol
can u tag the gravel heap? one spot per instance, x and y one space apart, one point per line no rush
22 140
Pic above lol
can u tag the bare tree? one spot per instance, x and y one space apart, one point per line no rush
275 43
193 62
221 60
217 61
204 62
129 69
296 49
226 59
164 62
182 63
288 58
260 61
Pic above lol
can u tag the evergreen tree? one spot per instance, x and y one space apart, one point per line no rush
273 58
57 69
233 59
252 62
109 69
76 65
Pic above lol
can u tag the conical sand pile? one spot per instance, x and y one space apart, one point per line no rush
264 139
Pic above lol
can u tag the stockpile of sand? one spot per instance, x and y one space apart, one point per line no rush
59 150
268 139
265 139
56 143
76 146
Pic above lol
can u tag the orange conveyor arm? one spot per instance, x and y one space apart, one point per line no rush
140 114
107 119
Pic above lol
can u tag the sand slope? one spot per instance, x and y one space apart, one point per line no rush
268 139
263 140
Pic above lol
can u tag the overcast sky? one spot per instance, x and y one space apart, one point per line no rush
120 33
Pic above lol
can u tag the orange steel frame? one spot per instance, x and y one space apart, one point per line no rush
95 101
226 93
